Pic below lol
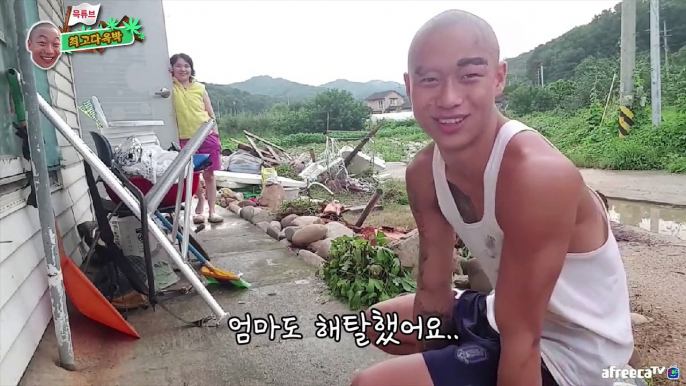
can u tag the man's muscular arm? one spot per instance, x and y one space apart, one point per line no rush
434 297
537 218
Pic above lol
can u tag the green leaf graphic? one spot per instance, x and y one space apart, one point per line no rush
112 23
132 26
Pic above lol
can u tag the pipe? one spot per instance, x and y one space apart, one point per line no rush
41 182
177 208
161 187
187 212
368 209
130 201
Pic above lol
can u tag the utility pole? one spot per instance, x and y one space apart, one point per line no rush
664 34
46 215
656 73
542 83
628 63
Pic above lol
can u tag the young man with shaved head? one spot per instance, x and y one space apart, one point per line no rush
44 45
559 313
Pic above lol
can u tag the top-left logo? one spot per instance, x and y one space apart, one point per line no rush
47 42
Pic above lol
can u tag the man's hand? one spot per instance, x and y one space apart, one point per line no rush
434 297
537 216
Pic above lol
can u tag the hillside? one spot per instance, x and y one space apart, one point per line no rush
600 38
297 92
228 100
363 90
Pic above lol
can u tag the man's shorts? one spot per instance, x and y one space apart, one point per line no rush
473 359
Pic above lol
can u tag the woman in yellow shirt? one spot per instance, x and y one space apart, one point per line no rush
193 107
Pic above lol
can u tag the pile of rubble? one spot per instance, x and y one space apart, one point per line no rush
335 170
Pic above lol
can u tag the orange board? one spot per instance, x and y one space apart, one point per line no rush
87 298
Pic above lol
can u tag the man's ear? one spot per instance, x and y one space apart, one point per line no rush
500 77
406 76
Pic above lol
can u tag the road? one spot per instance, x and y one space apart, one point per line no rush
650 186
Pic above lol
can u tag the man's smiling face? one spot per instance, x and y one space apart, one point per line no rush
44 44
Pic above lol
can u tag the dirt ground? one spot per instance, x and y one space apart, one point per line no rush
656 269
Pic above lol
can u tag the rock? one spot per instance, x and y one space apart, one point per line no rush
407 249
337 230
304 221
478 281
282 234
310 257
247 212
314 246
261 215
463 265
638 319
290 231
234 207
324 248
263 226
461 282
272 196
309 234
286 242
457 263
286 221
276 225
246 203
273 232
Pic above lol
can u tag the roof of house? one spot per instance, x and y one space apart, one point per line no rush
380 95
407 105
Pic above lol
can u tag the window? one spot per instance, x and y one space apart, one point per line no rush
380 104
11 159
394 101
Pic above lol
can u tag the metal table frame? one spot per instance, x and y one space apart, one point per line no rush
182 163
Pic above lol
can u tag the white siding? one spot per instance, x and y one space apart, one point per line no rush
24 301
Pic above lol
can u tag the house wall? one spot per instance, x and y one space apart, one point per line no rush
25 309
374 104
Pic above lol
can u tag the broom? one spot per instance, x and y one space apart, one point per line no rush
212 274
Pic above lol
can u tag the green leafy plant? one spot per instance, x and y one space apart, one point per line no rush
364 273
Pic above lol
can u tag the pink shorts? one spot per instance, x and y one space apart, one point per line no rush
212 146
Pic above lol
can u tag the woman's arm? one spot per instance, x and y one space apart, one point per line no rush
210 111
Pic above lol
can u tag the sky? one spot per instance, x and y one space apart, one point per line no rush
314 42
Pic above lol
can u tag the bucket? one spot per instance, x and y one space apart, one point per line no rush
290 194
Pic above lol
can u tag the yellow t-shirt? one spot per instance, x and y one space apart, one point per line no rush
189 106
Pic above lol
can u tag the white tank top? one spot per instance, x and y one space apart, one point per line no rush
587 327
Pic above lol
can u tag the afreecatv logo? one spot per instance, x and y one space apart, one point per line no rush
673 373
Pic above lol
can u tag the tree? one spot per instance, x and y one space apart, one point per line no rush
343 110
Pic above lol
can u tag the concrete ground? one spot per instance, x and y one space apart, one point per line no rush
632 185
170 354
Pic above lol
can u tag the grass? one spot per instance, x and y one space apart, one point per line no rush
578 135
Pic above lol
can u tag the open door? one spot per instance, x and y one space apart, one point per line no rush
132 83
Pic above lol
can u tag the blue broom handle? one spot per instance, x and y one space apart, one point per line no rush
180 237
